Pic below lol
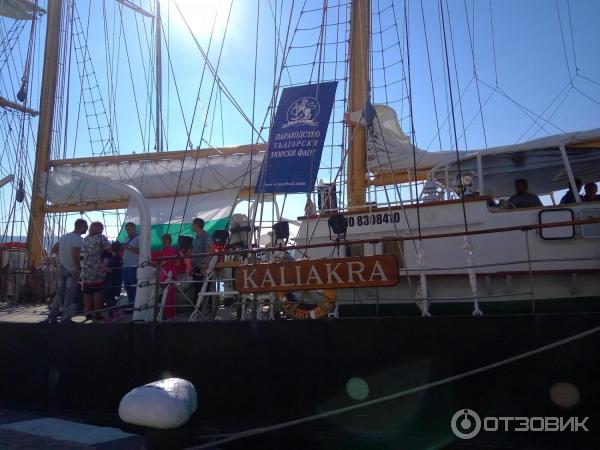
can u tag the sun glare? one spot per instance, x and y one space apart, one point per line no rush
202 15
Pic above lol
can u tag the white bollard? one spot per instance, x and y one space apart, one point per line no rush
164 404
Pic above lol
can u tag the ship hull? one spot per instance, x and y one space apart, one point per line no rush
260 373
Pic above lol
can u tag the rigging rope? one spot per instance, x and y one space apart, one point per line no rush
253 107
562 37
459 174
214 84
472 45
99 127
455 66
403 393
437 122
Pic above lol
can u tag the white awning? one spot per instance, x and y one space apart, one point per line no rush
155 178
539 162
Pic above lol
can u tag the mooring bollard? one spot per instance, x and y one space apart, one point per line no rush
164 407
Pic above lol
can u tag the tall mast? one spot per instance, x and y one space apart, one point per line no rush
35 231
158 80
358 93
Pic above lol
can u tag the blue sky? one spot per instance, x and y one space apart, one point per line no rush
533 67
541 68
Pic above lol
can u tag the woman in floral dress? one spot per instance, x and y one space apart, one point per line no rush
93 269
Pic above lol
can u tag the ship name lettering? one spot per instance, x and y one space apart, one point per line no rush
282 276
248 278
298 279
378 271
268 278
331 273
313 275
358 271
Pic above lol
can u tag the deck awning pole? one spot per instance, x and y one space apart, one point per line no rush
480 173
145 272
563 152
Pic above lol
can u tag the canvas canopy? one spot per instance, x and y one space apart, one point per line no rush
157 176
538 161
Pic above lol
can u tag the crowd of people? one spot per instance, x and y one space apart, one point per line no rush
99 270
525 199
590 193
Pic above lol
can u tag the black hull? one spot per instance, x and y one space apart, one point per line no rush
260 373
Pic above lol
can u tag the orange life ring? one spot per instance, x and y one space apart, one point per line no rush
311 310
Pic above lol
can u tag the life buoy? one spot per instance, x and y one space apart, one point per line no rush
316 308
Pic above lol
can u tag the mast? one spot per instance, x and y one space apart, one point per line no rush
158 80
35 231
357 100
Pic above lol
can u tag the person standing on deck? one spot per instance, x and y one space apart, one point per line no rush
523 198
591 191
69 253
131 260
201 244
569 197
93 270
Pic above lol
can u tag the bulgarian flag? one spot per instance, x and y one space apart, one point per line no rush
174 215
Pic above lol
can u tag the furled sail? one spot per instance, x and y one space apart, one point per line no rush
391 157
157 175
19 9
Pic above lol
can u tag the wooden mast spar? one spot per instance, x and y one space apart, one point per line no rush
35 231
358 93
158 131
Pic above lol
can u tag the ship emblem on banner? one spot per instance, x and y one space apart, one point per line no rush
296 139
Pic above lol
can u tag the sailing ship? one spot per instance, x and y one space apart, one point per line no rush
428 304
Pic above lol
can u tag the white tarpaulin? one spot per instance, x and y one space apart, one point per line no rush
543 169
154 178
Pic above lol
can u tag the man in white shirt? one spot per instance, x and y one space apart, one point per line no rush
69 252
131 260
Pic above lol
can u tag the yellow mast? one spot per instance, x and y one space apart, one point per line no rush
35 231
158 131
358 93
